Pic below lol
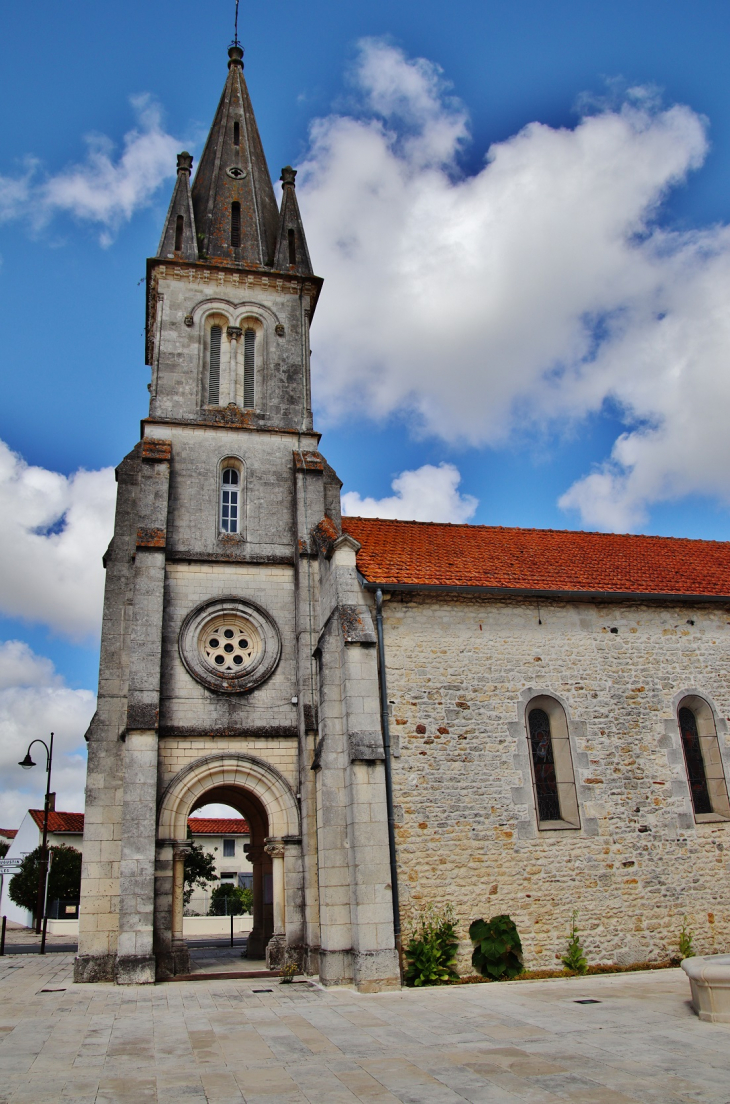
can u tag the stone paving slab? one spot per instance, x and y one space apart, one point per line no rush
228 1042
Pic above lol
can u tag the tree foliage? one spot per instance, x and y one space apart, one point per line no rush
64 881
4 848
498 950
199 870
230 900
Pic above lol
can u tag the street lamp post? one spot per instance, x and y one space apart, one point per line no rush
26 764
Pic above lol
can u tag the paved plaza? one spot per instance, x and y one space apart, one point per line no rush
261 1042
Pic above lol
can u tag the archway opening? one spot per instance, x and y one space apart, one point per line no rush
251 866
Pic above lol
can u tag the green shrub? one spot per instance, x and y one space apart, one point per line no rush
686 935
498 949
230 900
199 869
432 948
574 959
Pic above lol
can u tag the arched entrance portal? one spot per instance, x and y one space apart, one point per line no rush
264 797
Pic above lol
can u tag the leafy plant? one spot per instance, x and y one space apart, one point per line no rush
498 948
4 848
432 948
686 935
230 900
199 870
288 973
574 959
64 880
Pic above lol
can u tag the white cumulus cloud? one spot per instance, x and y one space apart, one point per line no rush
33 703
54 532
108 187
527 294
428 494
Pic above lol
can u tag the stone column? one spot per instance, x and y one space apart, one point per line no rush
276 948
234 333
255 946
180 952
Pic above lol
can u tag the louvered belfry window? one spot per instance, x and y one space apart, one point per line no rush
694 760
543 761
249 368
214 366
235 225
229 501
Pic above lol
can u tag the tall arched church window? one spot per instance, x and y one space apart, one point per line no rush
249 368
551 764
702 759
230 501
214 365
543 766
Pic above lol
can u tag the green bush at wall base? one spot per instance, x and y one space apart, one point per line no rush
498 948
431 949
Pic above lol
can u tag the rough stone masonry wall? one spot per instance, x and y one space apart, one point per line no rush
459 672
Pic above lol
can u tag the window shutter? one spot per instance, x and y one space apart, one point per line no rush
214 368
249 368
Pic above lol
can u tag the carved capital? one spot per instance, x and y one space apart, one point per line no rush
181 849
234 332
275 848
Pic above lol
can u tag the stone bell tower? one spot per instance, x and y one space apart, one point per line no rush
238 660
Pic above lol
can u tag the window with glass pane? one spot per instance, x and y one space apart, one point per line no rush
543 762
229 848
229 501
694 761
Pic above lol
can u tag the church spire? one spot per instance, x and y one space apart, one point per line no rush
178 237
236 216
291 254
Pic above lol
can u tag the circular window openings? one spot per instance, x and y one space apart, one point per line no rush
230 644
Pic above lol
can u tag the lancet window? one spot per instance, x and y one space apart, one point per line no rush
230 500
214 365
249 368
551 764
702 759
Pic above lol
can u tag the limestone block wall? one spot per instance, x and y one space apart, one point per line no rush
460 673
174 754
186 704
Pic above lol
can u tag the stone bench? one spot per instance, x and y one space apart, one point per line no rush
709 979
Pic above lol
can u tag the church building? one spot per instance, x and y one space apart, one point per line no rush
507 721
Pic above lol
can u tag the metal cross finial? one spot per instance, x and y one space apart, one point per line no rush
235 28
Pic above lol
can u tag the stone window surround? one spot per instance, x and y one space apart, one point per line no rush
707 727
269 638
563 758
237 462
244 315
524 795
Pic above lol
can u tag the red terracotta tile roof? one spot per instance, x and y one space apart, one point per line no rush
8 833
426 554
218 826
60 822
199 826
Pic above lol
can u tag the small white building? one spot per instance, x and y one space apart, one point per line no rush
65 828
225 838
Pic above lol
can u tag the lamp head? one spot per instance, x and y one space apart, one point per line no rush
27 763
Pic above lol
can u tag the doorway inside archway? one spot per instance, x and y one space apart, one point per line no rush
228 921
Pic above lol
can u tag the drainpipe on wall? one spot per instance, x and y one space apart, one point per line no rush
388 774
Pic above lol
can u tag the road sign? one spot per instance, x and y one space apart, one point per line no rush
7 865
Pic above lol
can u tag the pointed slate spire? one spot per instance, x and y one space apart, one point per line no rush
235 210
178 238
291 254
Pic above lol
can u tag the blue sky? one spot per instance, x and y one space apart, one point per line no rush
588 410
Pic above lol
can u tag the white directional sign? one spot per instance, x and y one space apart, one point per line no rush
9 864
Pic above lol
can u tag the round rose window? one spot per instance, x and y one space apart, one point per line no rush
229 644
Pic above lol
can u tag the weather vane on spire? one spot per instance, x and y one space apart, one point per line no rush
235 29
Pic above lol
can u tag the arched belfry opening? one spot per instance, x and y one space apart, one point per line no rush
265 799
